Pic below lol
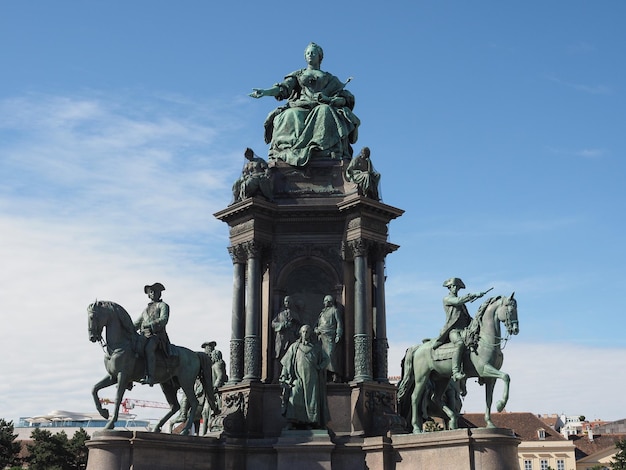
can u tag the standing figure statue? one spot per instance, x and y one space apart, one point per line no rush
151 324
204 411
254 179
285 325
317 122
219 379
457 319
329 331
303 379
361 172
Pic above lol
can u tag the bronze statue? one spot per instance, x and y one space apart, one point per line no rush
285 325
179 370
422 363
255 178
304 383
457 319
317 122
203 414
219 379
361 172
329 331
209 347
151 323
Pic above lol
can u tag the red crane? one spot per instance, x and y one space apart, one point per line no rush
128 404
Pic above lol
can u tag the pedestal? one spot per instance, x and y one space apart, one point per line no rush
133 450
304 450
461 449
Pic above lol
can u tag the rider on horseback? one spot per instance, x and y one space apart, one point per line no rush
151 324
457 319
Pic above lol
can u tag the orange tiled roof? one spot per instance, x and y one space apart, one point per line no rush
524 425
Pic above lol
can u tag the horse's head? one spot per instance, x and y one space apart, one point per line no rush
94 321
508 314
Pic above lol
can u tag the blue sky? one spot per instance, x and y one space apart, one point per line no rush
497 126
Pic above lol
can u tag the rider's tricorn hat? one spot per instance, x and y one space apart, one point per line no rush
156 286
208 343
454 281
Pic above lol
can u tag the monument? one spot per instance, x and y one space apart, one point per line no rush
308 381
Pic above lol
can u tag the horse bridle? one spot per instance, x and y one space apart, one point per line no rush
101 340
502 341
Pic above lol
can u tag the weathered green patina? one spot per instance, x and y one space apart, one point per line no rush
317 122
425 366
329 330
303 378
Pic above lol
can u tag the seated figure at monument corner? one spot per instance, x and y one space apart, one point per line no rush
361 172
255 178
317 122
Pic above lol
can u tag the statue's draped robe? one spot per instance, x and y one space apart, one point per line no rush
304 366
304 129
361 172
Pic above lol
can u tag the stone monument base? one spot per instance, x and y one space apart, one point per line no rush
461 449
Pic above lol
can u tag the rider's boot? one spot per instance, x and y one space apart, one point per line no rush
150 362
457 355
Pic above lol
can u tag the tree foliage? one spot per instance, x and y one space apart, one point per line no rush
78 449
56 452
9 447
618 462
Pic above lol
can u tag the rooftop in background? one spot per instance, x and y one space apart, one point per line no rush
70 422
525 425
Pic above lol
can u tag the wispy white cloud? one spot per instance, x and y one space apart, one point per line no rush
599 89
97 204
588 152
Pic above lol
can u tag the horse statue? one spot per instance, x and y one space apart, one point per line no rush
124 366
424 367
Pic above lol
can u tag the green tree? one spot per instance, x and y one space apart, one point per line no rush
56 452
618 462
9 448
49 451
78 449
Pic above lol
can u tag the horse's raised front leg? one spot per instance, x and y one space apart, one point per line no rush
490 371
104 383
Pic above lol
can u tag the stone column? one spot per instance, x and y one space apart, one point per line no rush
381 345
362 333
237 254
252 340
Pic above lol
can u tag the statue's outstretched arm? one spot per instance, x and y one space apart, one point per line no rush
261 92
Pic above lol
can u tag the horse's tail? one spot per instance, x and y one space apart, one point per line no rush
405 387
206 377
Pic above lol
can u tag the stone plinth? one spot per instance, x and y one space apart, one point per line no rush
126 450
461 449
304 450
373 409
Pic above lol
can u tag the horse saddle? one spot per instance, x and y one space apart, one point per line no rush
169 360
443 352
